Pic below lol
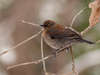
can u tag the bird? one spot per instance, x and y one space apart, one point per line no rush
58 36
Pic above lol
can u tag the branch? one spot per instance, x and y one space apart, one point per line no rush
73 62
33 24
42 56
74 18
37 61
19 44
29 63
86 30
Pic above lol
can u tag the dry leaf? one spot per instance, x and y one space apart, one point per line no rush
95 13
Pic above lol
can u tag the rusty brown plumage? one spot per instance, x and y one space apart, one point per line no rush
57 36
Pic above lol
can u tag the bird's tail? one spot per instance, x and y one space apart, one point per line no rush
86 41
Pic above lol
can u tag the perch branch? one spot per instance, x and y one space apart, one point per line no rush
73 62
37 61
42 56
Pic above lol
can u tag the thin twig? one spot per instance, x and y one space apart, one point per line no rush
37 61
19 44
74 18
86 30
33 24
73 62
42 56
31 62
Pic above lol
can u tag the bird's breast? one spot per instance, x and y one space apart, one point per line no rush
52 42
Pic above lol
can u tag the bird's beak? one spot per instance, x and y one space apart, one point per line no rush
42 25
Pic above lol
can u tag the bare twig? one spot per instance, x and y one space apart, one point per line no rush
19 44
74 18
86 30
73 62
37 61
33 24
94 16
42 56
31 62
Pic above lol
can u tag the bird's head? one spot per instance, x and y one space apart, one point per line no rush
48 24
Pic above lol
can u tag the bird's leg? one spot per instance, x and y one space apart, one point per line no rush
68 49
57 51
54 52
62 49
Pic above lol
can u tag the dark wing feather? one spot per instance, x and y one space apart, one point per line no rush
66 33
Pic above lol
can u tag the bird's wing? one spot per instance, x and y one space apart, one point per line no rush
66 33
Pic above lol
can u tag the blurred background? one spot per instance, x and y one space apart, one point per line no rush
13 31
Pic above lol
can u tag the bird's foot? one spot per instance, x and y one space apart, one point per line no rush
68 50
54 52
57 51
